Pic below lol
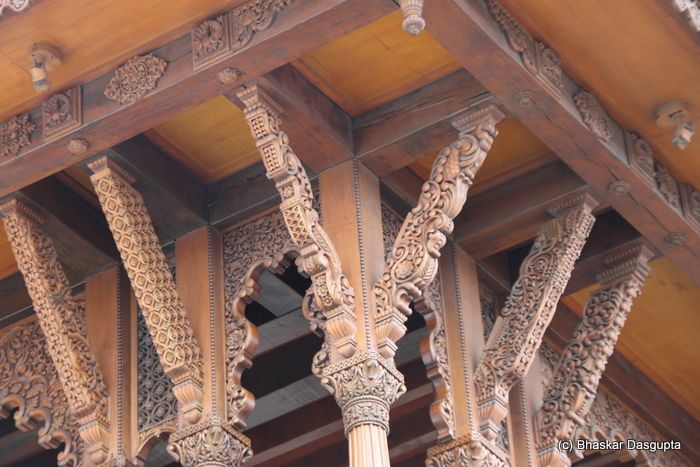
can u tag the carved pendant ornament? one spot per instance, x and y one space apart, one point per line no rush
413 22
61 316
153 283
574 384
15 134
134 79
518 331
414 258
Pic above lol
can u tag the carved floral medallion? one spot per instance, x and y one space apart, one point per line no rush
15 134
62 113
134 79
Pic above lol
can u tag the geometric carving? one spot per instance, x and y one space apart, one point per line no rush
152 282
329 303
541 61
15 134
593 115
211 442
61 316
517 334
414 258
574 383
134 79
259 245
14 5
217 39
62 113
640 156
29 383
691 205
667 186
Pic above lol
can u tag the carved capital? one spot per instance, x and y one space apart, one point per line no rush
211 442
466 451
364 386
413 263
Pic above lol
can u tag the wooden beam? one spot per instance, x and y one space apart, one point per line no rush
416 125
466 29
300 28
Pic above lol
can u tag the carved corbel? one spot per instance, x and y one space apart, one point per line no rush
413 263
518 331
153 283
574 385
61 316
330 302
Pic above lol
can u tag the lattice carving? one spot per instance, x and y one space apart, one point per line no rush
62 113
134 79
259 245
331 296
691 205
153 283
518 332
414 258
15 134
640 156
29 383
593 115
541 61
667 186
575 381
61 316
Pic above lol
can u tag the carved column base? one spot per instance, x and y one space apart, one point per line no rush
466 451
95 434
552 456
210 443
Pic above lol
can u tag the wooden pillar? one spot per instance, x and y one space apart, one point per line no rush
525 400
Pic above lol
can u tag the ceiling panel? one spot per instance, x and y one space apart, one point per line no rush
375 64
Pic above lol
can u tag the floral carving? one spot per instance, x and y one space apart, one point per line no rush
211 42
153 283
691 205
62 113
640 156
541 61
593 115
668 186
134 79
61 317
466 452
210 442
414 258
15 134
530 307
574 384
252 17
29 383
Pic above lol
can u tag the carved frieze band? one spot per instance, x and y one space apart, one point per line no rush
414 258
61 316
330 302
259 245
518 331
574 383
153 283
29 383
219 38
541 61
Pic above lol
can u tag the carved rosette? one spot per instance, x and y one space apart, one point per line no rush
667 186
593 115
691 205
575 381
62 113
364 386
331 294
472 451
211 42
253 17
211 442
134 79
640 156
153 283
414 258
61 316
29 383
518 332
541 61
15 134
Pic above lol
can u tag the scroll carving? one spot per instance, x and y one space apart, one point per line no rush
331 295
541 61
134 79
640 156
691 205
667 186
153 283
575 380
593 115
62 113
518 331
15 134
414 258
61 316
29 383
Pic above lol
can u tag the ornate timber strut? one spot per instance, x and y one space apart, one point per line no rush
574 384
61 317
414 258
518 332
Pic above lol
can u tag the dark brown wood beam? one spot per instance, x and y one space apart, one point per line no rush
466 29
416 125
300 28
